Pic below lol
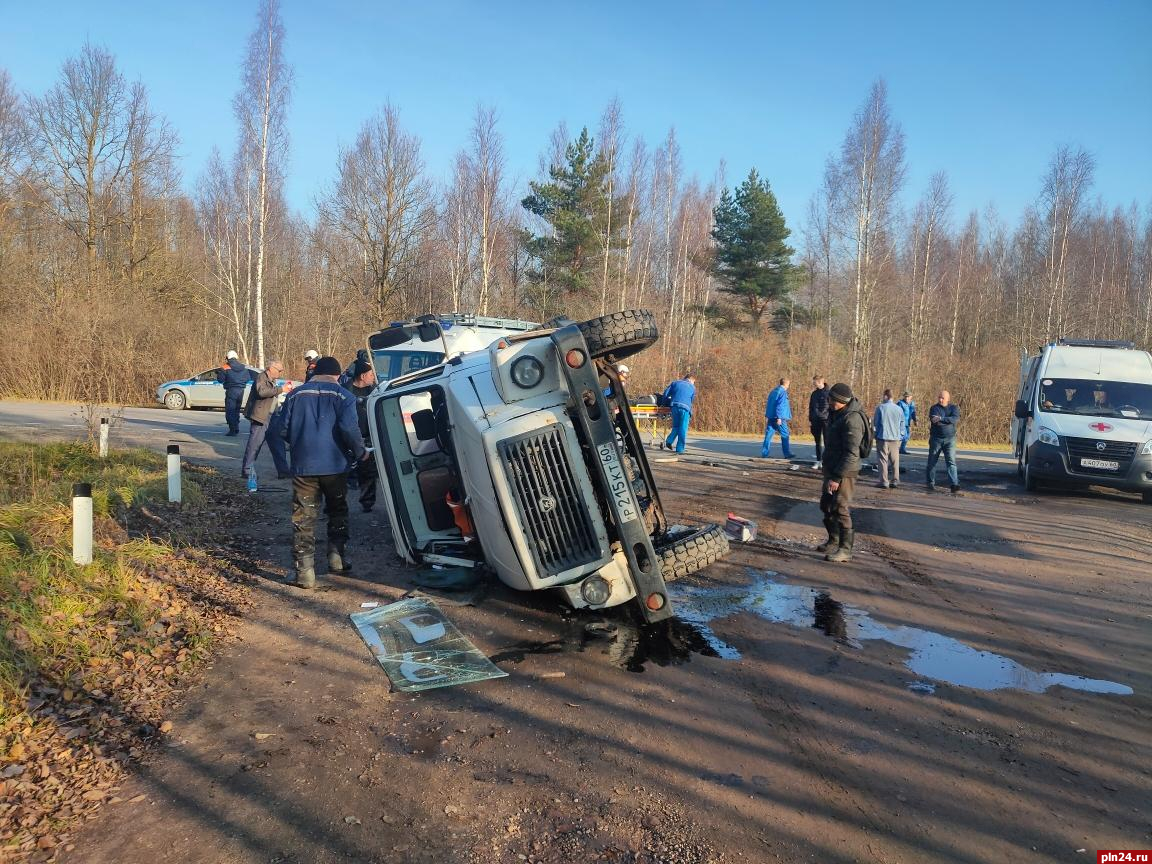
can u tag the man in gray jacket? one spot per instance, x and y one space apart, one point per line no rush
847 429
889 428
261 405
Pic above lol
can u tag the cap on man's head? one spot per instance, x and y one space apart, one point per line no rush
841 393
231 355
905 394
311 354
328 366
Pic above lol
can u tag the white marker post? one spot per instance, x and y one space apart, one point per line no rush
82 523
174 491
103 437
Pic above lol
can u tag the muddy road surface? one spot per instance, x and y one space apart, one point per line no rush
975 686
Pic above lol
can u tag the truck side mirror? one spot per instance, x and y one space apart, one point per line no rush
1022 412
424 424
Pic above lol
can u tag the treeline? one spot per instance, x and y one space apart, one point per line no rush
113 277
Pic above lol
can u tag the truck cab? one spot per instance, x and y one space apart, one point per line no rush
522 457
1083 416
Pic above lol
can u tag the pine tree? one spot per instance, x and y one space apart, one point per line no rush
575 203
752 260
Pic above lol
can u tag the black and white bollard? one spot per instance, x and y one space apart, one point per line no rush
174 496
103 437
82 523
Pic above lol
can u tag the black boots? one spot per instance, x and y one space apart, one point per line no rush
844 553
833 541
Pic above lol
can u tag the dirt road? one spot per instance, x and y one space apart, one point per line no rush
818 743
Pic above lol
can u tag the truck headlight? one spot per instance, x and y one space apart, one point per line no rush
1047 436
527 372
1146 450
595 590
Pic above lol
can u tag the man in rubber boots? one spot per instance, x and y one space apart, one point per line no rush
847 429
234 376
320 425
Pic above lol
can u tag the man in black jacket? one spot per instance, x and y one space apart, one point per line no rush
235 376
818 414
847 428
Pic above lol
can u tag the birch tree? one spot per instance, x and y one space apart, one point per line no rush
870 173
486 164
261 109
381 205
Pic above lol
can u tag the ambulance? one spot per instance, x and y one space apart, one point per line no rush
1083 417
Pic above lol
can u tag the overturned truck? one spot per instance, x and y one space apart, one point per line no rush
511 445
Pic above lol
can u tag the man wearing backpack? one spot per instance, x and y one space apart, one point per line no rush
849 439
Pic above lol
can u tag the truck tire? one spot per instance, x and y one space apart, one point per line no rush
621 334
684 551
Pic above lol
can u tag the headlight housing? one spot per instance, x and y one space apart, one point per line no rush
1047 436
1146 450
527 372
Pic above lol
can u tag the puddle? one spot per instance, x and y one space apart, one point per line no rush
932 656
626 644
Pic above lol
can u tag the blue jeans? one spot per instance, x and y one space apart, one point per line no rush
771 429
947 446
904 441
257 436
679 437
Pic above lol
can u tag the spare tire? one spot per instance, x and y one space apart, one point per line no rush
620 334
684 550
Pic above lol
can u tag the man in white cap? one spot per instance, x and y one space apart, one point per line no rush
235 376
310 358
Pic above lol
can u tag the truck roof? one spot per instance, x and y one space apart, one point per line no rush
1106 364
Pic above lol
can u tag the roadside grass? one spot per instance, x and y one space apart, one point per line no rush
55 616
91 657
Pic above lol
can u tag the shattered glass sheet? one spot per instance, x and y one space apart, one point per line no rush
419 648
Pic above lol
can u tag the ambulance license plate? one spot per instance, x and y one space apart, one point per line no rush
1100 463
617 483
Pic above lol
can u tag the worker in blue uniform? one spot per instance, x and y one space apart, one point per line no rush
777 413
679 396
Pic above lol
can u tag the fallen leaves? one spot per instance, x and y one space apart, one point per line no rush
99 705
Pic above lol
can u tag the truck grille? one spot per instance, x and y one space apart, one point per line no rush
553 513
1114 451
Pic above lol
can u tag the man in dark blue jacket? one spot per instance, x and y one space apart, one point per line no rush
319 422
943 417
235 376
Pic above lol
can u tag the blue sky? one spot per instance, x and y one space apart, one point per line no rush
984 90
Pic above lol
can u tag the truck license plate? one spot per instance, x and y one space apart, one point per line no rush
617 483
1100 463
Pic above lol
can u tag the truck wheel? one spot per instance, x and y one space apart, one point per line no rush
620 334
683 551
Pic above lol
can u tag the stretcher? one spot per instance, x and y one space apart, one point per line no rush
654 421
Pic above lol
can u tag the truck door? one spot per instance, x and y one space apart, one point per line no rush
416 470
